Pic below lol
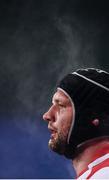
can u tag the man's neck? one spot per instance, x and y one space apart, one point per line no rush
88 152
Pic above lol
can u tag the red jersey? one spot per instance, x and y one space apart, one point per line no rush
99 167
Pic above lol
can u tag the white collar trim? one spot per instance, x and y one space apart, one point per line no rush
98 160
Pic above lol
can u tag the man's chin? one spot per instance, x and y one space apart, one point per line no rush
62 148
55 146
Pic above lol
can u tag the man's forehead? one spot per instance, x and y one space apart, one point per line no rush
60 95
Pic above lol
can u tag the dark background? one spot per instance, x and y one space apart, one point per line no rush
40 41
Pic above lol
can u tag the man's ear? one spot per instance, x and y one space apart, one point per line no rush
95 122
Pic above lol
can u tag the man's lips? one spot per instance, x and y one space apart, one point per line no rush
53 133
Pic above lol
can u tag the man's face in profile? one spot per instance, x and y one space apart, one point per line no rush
59 117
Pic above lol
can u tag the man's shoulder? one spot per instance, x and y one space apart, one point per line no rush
101 173
100 170
97 169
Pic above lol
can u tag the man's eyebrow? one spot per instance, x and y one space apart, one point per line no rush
56 100
59 100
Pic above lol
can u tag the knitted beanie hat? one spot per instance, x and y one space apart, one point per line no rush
89 91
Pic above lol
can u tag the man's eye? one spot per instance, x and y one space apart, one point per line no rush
61 105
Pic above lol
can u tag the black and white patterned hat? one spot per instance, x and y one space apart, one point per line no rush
89 91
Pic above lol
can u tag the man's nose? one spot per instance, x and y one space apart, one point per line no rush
48 116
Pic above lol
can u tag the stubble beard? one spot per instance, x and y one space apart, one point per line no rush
58 144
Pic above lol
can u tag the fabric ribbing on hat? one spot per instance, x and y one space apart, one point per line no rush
94 82
89 91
